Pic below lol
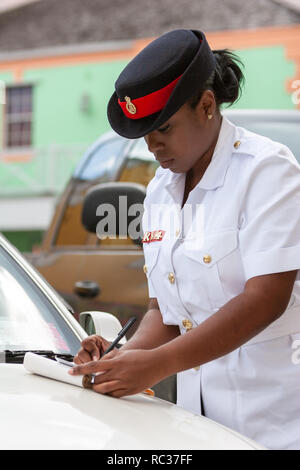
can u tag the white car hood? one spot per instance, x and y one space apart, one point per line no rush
40 413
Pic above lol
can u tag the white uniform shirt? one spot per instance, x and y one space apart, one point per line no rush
241 220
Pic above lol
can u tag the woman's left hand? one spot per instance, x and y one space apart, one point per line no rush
120 373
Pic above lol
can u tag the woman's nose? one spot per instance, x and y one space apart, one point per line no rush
153 141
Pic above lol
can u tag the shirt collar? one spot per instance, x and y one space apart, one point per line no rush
215 173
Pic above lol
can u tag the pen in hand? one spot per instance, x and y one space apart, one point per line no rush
120 335
90 378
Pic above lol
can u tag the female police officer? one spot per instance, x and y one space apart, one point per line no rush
221 245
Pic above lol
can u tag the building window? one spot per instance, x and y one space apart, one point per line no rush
18 116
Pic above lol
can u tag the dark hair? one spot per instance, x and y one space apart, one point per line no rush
225 82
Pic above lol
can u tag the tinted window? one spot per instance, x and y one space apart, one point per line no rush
140 165
103 162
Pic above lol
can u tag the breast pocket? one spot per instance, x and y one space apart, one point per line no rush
153 273
151 253
212 265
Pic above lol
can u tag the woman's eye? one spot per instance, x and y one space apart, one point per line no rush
164 128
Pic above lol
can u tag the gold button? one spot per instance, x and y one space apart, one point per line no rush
197 368
171 278
236 144
145 269
177 232
187 324
207 259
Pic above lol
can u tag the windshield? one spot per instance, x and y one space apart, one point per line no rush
140 165
28 320
103 162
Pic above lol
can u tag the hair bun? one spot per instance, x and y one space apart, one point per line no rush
229 78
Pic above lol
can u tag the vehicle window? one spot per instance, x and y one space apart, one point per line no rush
285 132
140 165
99 166
28 320
102 163
71 231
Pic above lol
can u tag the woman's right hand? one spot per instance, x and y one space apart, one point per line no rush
92 348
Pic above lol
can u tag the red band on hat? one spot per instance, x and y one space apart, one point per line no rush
148 104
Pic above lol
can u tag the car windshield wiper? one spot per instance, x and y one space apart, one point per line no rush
18 355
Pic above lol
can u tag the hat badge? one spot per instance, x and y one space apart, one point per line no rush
130 106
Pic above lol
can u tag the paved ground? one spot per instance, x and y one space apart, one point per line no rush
57 22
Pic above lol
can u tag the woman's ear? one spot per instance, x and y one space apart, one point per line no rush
206 107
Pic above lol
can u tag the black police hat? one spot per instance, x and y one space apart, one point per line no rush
158 81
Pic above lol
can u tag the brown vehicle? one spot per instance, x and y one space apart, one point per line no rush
94 274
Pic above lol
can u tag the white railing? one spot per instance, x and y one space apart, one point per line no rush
38 171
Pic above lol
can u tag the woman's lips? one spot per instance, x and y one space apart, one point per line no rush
166 163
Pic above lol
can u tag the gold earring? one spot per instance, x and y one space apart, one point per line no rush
209 116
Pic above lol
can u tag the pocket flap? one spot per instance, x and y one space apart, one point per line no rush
212 248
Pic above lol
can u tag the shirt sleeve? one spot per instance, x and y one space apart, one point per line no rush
269 234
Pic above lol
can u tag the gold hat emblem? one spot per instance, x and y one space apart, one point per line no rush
129 105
